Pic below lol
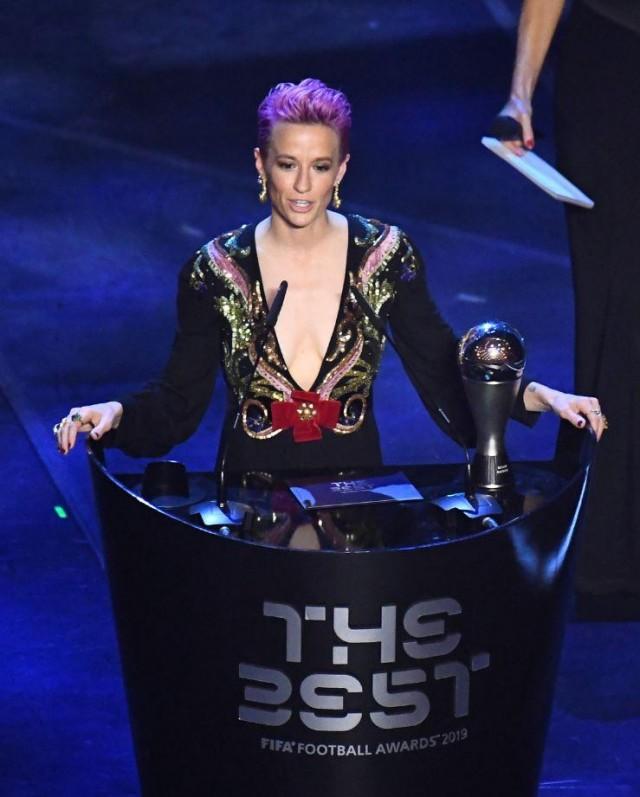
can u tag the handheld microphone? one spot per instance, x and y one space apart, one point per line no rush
274 311
261 339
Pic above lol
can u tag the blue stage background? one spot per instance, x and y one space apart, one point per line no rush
126 131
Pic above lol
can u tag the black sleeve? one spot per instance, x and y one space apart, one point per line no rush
428 348
168 410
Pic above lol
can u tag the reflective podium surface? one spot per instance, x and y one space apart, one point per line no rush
360 651
263 509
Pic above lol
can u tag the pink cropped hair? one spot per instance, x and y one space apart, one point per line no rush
307 102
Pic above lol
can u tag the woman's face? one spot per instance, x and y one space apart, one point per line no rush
302 166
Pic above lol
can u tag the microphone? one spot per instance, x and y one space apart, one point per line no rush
274 311
428 402
260 341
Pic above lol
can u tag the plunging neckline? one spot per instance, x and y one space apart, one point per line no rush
334 331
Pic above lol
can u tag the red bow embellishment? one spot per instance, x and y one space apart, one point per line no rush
306 413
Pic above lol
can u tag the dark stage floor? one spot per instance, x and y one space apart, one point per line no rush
127 131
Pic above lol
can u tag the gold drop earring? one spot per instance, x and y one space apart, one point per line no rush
263 195
336 201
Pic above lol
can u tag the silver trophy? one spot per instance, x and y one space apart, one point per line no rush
491 357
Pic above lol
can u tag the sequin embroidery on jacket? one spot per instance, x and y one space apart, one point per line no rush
228 266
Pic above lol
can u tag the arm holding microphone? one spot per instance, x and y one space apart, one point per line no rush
538 22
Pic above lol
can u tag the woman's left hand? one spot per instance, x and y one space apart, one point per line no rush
578 410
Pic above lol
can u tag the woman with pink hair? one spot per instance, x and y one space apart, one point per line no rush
305 396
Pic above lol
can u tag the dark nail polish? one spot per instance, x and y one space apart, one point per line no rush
529 143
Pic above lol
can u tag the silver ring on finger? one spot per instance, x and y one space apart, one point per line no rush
76 417
595 412
56 429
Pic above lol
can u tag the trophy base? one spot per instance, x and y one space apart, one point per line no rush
491 473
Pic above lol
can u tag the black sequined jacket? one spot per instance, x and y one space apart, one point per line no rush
221 308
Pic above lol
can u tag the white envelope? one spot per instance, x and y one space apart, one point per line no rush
541 173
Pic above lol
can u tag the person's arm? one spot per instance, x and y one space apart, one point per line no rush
168 410
538 23
578 410
428 348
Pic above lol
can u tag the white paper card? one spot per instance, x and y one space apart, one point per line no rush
541 173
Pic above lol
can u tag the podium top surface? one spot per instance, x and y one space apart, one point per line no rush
264 511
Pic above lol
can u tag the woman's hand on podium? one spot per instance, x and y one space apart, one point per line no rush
578 410
94 419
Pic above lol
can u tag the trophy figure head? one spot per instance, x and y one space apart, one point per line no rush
491 357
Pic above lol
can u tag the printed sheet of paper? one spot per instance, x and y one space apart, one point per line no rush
325 494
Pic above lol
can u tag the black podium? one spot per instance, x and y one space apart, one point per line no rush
363 652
